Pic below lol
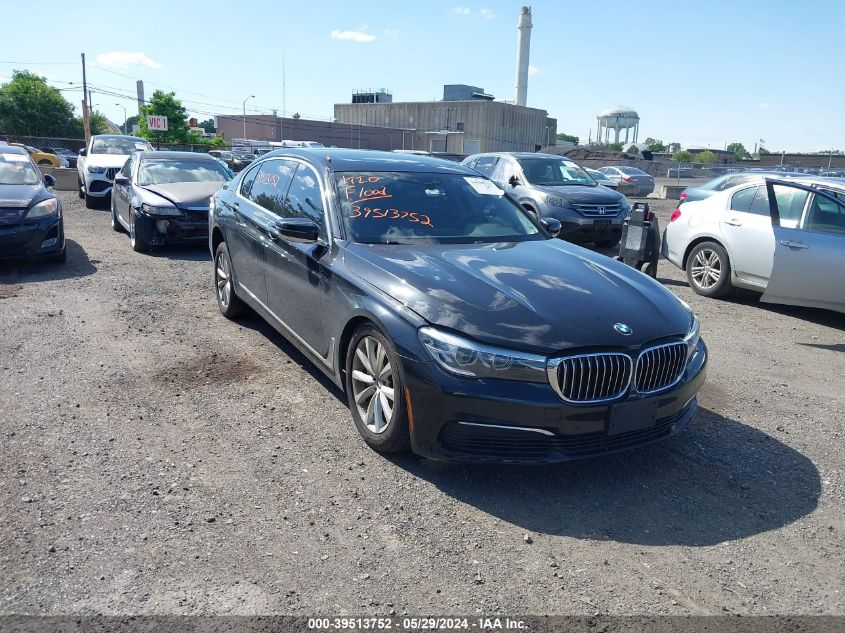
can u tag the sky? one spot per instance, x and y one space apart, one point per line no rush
703 73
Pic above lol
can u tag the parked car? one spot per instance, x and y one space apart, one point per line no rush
453 321
550 186
624 174
783 238
31 222
42 158
728 181
162 197
100 161
63 152
601 179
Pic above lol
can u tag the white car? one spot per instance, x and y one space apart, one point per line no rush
101 160
792 250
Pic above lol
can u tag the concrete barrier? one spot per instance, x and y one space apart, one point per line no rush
66 177
670 192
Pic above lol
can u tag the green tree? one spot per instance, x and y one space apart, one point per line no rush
682 156
166 104
562 136
633 150
133 120
655 145
763 151
28 106
208 126
738 150
706 157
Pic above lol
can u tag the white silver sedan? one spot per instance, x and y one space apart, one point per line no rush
785 239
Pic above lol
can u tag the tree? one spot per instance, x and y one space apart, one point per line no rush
682 156
208 126
28 106
706 157
655 145
763 151
567 137
165 104
133 120
633 150
738 150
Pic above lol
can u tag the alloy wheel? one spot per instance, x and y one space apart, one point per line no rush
373 384
706 268
223 279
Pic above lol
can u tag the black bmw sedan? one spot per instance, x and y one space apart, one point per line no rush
162 197
31 222
455 323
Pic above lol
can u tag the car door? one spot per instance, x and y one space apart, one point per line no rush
747 231
295 273
810 253
122 193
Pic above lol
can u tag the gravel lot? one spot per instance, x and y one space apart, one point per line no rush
159 459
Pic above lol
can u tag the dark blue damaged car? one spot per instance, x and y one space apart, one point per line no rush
454 321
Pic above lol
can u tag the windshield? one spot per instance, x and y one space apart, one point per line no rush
16 169
165 171
404 207
121 146
554 172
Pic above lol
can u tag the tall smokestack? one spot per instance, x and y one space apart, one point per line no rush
139 86
523 47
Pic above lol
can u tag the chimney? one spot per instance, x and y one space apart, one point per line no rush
523 47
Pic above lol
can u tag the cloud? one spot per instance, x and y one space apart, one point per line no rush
460 10
766 106
487 14
391 32
355 36
533 70
122 59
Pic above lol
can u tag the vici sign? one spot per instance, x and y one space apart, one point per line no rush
157 123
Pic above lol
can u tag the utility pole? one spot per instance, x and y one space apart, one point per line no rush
86 121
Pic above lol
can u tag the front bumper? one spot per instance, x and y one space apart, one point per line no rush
41 237
98 185
191 226
577 228
503 421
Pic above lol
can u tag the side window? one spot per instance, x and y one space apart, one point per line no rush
503 172
760 204
826 215
304 199
127 167
791 203
248 179
271 183
741 200
485 165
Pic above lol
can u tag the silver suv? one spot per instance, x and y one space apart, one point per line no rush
556 187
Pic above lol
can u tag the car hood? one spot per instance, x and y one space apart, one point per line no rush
582 194
186 194
541 296
105 160
16 199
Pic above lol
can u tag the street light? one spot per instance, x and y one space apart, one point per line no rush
245 100
124 117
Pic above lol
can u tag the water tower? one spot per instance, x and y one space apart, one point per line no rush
617 119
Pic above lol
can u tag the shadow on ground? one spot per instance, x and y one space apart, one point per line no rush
721 480
197 252
31 271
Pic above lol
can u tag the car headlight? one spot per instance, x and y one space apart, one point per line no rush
43 209
693 336
96 170
467 358
165 210
556 202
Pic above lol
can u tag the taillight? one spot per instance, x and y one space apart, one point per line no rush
675 215
627 179
683 195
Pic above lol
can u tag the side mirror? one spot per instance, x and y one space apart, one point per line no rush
296 230
50 181
551 225
513 181
83 152
120 179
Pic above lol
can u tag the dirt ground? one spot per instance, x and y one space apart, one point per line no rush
159 459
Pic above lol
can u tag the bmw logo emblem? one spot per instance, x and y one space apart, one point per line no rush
622 329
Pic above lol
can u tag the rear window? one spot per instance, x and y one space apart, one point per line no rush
632 171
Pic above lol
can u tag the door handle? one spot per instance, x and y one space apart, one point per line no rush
792 244
733 222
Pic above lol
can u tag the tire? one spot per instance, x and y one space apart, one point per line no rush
91 202
706 260
79 188
45 162
650 269
58 258
611 243
138 243
369 354
116 226
532 211
230 304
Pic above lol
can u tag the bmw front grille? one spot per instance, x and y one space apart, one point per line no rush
660 367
